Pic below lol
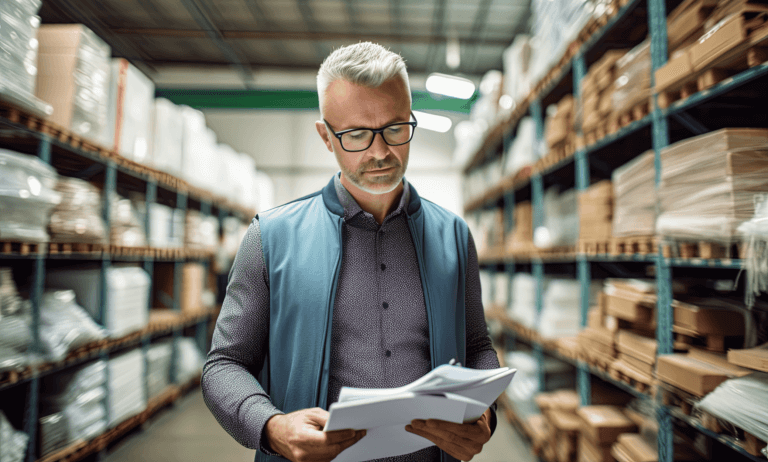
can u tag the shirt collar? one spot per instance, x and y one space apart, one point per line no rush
353 209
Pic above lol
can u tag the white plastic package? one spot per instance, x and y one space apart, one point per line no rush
26 197
754 234
77 218
560 227
131 99
127 228
634 197
189 360
64 325
522 306
13 443
167 137
126 386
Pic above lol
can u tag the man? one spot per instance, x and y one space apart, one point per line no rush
362 284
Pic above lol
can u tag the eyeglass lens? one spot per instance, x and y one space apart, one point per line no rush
360 140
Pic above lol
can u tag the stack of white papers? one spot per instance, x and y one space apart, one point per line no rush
451 393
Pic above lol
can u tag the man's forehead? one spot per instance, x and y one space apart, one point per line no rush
346 100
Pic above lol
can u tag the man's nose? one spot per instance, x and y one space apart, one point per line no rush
379 148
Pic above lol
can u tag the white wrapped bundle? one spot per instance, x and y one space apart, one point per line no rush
167 226
18 48
167 137
561 310
126 386
634 197
516 58
522 151
127 307
131 100
190 360
708 184
754 233
77 218
158 367
561 220
64 325
13 443
522 307
27 196
199 150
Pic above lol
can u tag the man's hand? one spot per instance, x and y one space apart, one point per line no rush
299 436
462 441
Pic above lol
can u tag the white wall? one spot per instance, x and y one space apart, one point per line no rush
287 147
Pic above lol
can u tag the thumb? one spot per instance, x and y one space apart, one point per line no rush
318 416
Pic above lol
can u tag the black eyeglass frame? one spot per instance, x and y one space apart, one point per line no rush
375 131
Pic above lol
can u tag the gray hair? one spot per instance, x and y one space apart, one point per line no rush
363 63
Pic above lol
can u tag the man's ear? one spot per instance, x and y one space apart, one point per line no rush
322 130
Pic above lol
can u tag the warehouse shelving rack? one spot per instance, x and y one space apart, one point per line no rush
654 131
71 156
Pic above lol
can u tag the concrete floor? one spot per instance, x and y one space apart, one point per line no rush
187 432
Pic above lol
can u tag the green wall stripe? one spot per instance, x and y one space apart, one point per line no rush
292 99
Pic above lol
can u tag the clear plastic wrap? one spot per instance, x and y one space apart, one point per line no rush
190 360
13 443
158 367
754 234
522 151
167 230
78 217
561 312
10 301
516 59
633 83
634 195
708 184
522 305
64 325
15 321
131 100
561 220
127 229
167 137
126 386
202 231
742 402
26 197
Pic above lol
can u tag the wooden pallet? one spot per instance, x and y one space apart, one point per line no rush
21 248
751 443
632 245
633 382
672 396
594 247
702 249
750 53
67 248
636 112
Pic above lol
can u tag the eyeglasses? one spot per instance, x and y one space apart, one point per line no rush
360 139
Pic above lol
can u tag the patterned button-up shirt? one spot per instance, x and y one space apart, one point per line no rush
380 335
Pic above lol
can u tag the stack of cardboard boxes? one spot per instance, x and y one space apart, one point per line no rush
596 212
560 442
559 130
600 429
597 94
520 240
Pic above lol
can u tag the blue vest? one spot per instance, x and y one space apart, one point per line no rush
302 243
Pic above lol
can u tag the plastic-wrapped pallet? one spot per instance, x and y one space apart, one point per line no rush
64 325
13 443
754 235
559 130
131 99
73 76
596 212
78 217
167 226
527 383
27 196
202 231
126 386
517 82
561 219
597 89
15 322
561 312
523 150
127 305
18 49
72 406
709 182
522 306
198 150
487 105
633 84
158 367
167 137
634 195
190 360
127 229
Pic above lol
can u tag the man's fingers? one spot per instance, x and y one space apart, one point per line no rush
337 436
454 449
339 447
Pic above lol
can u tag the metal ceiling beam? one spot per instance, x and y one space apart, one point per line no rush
210 29
478 26
309 66
260 15
352 14
396 17
313 36
438 30
312 27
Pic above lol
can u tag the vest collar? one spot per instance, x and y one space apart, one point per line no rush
331 200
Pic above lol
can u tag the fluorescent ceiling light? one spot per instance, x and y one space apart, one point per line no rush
433 122
449 85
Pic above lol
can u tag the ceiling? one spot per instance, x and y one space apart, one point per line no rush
250 36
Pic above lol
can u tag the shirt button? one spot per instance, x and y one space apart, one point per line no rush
383 266
385 305
388 353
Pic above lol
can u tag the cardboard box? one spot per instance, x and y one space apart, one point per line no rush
689 374
589 452
718 359
72 76
192 282
638 346
687 20
603 424
595 318
631 306
725 35
703 320
560 400
676 69
637 363
565 422
637 448
753 358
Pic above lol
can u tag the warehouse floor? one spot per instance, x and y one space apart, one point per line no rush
188 432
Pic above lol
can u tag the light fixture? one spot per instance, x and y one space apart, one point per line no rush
456 87
433 122
452 52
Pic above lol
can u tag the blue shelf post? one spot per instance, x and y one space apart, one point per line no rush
201 329
149 262
538 274
178 268
657 25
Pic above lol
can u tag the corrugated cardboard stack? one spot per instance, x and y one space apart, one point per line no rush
709 182
597 92
521 238
596 212
559 408
601 426
710 322
698 372
753 358
597 342
632 89
637 356
634 193
559 129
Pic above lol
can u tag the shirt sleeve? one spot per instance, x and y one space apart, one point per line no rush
238 348
480 351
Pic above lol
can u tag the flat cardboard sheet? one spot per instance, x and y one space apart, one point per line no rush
753 358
